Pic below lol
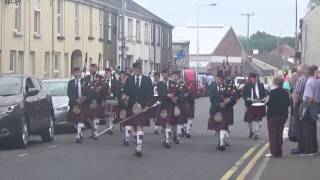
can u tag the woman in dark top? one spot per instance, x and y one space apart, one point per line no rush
277 116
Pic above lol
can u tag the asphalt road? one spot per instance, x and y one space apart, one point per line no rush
108 159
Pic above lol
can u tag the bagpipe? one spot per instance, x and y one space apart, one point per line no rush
135 115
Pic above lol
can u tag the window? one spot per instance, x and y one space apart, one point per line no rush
162 35
110 27
90 23
158 35
146 33
152 34
120 25
130 29
138 31
46 65
169 39
16 62
17 26
37 17
76 19
66 65
32 65
60 18
56 65
101 24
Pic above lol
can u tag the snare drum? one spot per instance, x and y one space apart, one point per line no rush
112 107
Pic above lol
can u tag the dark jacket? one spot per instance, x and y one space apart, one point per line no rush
143 95
278 104
247 89
91 93
114 89
216 98
72 92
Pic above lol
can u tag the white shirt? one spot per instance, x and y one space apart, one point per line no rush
79 86
135 79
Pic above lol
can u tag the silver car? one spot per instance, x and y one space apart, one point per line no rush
58 90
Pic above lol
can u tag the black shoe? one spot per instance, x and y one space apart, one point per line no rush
178 141
250 135
296 151
110 132
227 144
138 153
81 137
156 132
166 145
126 143
94 137
256 137
188 136
221 148
308 153
78 140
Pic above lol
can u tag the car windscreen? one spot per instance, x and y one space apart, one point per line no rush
10 85
57 88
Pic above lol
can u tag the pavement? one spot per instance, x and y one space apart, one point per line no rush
195 159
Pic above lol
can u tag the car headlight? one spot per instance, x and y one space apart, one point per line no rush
64 107
8 109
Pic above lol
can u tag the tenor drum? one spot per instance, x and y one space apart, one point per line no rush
112 107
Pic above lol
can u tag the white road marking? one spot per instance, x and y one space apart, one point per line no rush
53 146
24 155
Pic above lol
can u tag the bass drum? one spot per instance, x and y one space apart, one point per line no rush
190 78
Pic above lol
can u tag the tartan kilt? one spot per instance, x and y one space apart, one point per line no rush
160 121
118 119
97 113
255 114
142 119
227 120
77 118
183 118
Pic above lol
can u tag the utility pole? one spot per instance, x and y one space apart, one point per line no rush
123 62
296 23
248 15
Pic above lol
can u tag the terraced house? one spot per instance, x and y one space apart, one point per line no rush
48 38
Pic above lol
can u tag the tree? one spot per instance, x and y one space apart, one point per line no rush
265 42
313 4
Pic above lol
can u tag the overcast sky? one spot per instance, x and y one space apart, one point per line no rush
272 16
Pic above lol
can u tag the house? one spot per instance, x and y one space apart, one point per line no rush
50 38
285 52
216 44
310 38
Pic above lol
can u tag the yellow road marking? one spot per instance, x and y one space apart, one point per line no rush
253 161
235 167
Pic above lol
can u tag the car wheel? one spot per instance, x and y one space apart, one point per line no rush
48 135
22 139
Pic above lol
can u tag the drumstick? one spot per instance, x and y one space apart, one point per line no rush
129 118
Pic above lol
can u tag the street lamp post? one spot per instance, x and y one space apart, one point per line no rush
248 28
198 15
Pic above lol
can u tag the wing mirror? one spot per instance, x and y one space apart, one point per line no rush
33 92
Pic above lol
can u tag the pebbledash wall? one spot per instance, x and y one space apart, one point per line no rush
48 38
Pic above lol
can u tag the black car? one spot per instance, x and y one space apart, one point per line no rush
25 109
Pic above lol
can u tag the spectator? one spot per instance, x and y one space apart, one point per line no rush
309 112
297 99
277 116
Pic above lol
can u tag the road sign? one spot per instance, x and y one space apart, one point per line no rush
181 54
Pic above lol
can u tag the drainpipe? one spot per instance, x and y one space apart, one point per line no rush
52 32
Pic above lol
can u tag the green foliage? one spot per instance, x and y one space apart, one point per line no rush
313 4
265 42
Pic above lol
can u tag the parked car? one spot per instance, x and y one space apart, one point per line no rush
25 109
58 90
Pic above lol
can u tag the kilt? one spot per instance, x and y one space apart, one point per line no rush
77 118
160 121
97 113
227 120
118 118
183 118
255 114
